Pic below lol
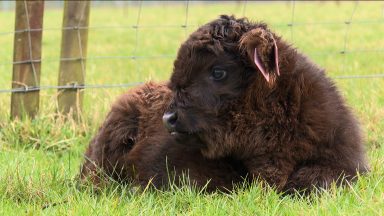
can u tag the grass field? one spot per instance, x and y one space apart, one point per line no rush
39 159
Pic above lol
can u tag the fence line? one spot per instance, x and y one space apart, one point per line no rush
27 46
123 85
347 27
292 18
358 22
74 51
186 18
137 36
73 86
132 57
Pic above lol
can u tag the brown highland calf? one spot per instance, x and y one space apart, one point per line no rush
242 102
247 94
132 145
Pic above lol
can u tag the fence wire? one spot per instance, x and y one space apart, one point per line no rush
291 24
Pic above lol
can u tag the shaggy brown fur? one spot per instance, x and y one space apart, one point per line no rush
247 94
133 145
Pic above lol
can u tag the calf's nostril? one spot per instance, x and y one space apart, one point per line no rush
173 118
169 120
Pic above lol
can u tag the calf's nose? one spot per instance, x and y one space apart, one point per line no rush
169 120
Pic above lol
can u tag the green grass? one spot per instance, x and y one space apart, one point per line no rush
39 159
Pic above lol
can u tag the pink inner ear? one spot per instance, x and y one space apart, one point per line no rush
276 57
259 65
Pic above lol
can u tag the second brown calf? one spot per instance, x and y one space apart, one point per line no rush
132 145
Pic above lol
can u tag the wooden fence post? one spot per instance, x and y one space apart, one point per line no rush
73 56
27 58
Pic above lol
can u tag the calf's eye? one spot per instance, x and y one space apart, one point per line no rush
218 74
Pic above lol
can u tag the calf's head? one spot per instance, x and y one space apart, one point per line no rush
213 70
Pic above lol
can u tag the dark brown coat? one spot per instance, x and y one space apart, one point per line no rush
248 94
133 145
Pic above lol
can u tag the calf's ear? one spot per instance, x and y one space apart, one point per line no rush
261 49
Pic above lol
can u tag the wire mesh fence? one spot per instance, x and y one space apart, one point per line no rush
345 34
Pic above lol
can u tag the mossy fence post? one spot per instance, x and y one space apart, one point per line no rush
27 58
73 57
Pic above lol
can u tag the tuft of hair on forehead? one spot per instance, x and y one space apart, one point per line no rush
228 28
223 33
